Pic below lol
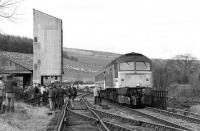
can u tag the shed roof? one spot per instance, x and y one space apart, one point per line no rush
24 60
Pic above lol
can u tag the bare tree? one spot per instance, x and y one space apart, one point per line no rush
185 64
8 8
161 75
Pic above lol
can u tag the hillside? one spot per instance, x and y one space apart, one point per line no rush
78 63
88 64
96 58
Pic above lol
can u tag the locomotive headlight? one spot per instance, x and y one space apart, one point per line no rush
138 85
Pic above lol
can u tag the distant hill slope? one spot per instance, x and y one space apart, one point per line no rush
96 58
88 64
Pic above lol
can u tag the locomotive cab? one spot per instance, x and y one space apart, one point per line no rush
127 78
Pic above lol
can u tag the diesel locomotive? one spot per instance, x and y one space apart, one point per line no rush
126 80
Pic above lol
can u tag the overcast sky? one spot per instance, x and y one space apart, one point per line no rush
156 28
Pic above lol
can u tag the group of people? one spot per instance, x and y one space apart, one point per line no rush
97 96
55 94
7 94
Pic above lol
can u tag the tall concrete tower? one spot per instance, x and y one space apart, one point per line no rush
47 48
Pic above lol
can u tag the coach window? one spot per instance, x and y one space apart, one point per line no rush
126 66
142 66
116 70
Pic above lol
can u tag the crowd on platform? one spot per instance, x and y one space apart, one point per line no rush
52 95
55 94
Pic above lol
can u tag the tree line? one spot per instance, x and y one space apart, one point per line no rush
16 44
22 45
182 69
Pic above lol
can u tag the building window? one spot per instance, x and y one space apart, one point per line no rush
35 39
116 70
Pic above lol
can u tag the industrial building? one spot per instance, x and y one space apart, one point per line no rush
46 63
19 64
47 48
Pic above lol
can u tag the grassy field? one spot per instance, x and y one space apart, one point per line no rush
25 118
182 96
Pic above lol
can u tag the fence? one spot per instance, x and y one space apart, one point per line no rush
157 98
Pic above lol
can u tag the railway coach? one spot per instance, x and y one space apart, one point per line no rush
127 79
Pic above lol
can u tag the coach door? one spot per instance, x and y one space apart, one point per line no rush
115 75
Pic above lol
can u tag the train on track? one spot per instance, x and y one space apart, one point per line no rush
127 79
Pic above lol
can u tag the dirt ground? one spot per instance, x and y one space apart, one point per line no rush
25 118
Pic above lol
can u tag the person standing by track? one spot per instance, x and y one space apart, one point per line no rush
51 95
72 93
60 96
96 95
43 94
55 91
1 92
37 94
11 84
100 95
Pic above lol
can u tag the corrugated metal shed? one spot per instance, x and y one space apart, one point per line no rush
24 60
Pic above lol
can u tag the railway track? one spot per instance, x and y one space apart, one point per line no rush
184 112
178 116
109 121
89 119
137 124
114 125
82 110
74 119
149 115
185 121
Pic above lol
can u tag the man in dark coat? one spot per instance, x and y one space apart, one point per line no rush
51 95
1 92
72 94
11 84
55 90
60 96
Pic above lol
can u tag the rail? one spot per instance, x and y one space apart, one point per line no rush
104 127
163 125
178 116
197 115
60 124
